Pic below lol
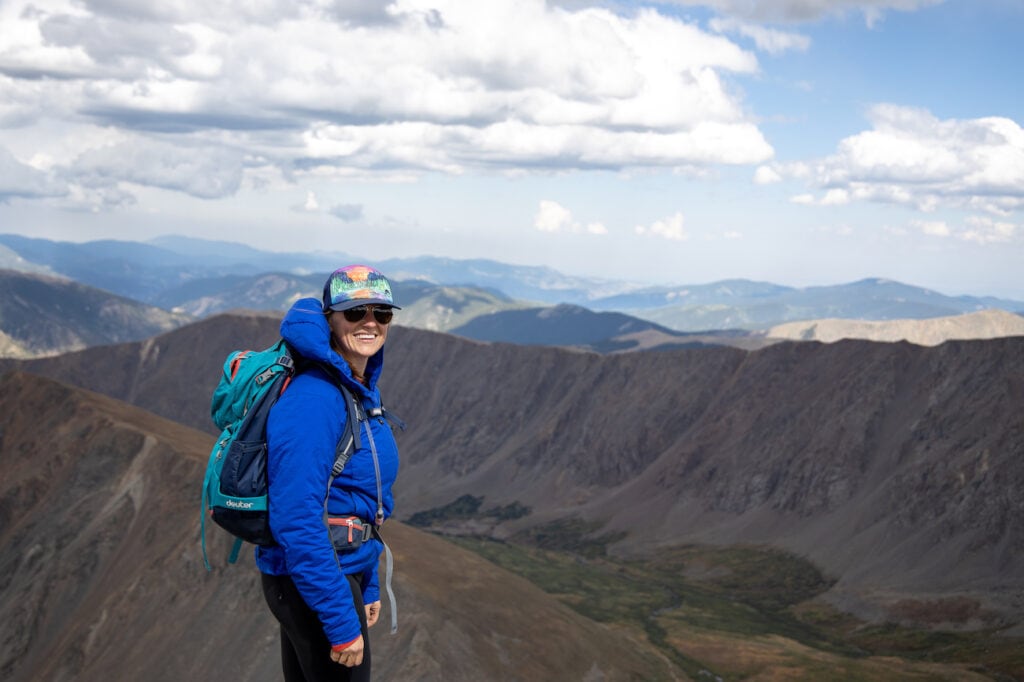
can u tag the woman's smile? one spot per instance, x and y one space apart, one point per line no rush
357 341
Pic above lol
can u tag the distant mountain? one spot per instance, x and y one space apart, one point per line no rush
205 277
885 464
441 308
728 305
10 260
131 269
167 271
478 313
571 325
987 324
423 305
213 252
527 283
272 291
102 576
42 315
739 292
145 271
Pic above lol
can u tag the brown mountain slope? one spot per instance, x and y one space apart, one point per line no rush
43 315
985 324
172 375
462 618
895 467
101 576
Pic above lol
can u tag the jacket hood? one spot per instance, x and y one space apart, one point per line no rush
305 329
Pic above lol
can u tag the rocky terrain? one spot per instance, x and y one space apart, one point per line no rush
101 576
893 467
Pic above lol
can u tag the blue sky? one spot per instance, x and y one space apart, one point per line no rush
801 142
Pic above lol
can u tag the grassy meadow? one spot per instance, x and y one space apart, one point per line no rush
736 613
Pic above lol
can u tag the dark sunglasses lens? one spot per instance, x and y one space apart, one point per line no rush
382 315
355 314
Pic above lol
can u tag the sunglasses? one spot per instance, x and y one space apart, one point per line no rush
382 315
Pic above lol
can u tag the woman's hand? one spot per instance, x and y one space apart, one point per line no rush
372 613
350 656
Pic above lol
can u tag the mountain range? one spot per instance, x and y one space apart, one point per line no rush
867 443
202 277
892 468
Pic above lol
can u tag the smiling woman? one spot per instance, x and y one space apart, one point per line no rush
356 335
323 587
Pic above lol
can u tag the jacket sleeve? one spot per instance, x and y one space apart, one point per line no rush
302 433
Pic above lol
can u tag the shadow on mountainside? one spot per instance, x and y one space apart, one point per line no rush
892 468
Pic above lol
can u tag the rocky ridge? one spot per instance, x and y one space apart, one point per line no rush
894 467
101 575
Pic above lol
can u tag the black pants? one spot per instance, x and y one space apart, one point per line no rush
305 651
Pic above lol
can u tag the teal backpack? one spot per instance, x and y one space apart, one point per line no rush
235 484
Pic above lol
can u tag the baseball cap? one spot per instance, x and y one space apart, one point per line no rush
355 285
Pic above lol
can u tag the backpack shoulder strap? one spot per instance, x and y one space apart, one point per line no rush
350 440
387 414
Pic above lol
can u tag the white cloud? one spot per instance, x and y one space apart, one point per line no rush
766 175
805 10
835 197
18 179
505 144
912 158
667 228
980 230
772 41
204 172
96 199
985 230
553 217
359 86
934 228
347 212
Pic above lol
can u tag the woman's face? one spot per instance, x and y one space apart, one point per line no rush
357 341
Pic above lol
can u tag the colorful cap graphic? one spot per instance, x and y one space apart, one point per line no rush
356 285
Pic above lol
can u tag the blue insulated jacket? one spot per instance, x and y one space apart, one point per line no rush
302 433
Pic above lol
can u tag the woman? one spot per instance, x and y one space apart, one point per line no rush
325 600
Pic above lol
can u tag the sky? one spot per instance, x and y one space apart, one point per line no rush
800 142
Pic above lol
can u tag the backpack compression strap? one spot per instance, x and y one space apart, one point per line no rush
349 443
